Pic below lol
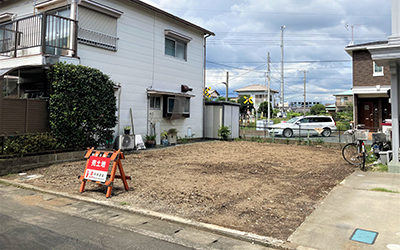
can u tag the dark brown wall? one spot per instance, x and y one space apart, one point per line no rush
20 116
363 71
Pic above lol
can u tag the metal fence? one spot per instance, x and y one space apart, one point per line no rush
252 131
51 34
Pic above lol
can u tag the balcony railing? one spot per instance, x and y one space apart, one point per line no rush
43 33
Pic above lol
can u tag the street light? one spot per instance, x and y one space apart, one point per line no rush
226 84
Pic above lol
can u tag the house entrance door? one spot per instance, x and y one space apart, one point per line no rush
367 114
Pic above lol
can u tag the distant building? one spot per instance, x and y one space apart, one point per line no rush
299 106
259 93
330 108
343 99
214 94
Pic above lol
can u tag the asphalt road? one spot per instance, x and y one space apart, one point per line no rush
32 219
25 225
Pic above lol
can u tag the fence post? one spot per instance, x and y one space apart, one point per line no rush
16 39
273 135
308 137
44 31
26 115
339 134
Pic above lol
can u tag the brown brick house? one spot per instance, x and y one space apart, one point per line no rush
370 87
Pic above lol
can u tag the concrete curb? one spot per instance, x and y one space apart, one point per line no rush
240 235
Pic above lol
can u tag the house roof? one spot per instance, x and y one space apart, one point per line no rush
214 91
363 46
255 88
330 107
347 92
150 7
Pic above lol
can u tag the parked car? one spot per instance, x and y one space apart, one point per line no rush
304 125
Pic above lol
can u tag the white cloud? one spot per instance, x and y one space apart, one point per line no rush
246 30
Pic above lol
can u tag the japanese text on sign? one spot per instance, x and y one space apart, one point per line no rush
97 168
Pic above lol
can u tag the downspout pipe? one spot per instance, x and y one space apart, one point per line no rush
204 85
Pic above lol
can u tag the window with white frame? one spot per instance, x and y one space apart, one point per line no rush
378 70
175 48
155 102
176 44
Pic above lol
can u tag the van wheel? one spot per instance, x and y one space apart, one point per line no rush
287 133
326 132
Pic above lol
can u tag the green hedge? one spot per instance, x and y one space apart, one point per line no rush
29 143
82 106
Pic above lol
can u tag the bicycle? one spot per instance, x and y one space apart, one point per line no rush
354 152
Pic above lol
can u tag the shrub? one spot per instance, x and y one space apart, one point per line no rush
343 125
82 107
224 132
317 109
292 114
29 143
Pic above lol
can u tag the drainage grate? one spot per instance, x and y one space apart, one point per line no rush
364 236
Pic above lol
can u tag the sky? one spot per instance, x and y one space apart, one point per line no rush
315 35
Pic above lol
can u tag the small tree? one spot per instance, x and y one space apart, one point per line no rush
264 109
82 106
224 132
317 109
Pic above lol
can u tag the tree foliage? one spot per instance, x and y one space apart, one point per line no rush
318 109
82 106
244 106
264 109
344 117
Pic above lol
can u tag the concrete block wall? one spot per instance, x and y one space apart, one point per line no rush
17 165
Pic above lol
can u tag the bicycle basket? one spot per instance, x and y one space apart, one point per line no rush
362 134
349 138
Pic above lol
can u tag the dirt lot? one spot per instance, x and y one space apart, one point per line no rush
267 189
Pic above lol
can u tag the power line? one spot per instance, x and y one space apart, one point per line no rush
279 13
308 61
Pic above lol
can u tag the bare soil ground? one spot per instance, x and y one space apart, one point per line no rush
266 189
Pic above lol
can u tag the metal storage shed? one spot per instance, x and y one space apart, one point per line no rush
221 113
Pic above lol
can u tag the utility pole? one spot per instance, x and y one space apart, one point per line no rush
304 71
227 81
282 82
269 90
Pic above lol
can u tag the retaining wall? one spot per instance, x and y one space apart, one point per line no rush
17 165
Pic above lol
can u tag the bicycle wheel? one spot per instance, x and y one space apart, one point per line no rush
351 155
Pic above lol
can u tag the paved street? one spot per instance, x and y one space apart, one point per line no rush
28 224
35 220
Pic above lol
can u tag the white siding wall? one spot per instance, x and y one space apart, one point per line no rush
140 63
21 8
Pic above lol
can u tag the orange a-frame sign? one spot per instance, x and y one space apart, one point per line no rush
96 169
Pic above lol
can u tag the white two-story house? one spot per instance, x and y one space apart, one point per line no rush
155 59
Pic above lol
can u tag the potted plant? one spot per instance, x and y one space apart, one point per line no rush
165 138
150 140
172 132
127 129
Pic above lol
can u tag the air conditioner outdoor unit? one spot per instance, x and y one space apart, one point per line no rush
126 142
